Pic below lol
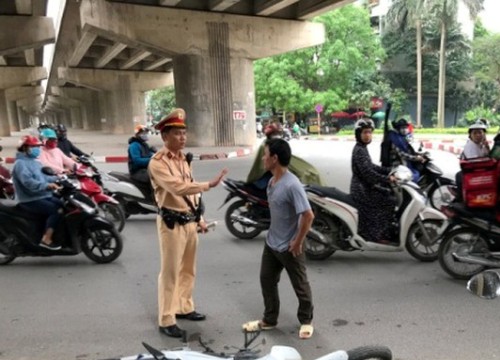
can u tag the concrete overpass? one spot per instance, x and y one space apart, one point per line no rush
109 52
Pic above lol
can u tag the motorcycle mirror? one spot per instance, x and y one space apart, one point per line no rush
486 284
421 147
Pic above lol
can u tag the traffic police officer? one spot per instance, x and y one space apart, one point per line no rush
177 195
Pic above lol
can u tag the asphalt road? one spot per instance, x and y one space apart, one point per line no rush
70 308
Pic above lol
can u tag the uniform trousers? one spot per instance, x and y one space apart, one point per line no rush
178 269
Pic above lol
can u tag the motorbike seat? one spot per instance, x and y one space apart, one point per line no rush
10 208
144 188
464 211
331 192
121 176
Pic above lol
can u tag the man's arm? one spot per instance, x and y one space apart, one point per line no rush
305 222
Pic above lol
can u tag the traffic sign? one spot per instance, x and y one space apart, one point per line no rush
318 108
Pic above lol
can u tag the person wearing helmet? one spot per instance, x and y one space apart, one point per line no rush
65 144
52 156
139 155
33 188
402 153
259 177
370 185
477 144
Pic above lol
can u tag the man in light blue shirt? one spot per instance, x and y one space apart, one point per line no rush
291 219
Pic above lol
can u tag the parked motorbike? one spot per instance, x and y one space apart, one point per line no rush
471 241
90 183
336 222
134 197
248 216
246 353
486 284
6 185
80 230
440 190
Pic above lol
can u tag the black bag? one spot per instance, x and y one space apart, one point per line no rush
385 147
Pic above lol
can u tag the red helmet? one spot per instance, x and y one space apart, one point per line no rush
29 140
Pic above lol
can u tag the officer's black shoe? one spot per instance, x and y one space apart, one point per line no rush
172 331
193 316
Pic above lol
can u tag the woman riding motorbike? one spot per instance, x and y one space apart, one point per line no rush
370 186
52 156
34 188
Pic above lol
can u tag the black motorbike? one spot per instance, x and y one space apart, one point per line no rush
248 216
471 241
80 230
439 189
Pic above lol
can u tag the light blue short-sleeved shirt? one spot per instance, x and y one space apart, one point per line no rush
287 200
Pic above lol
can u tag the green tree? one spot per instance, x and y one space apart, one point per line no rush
404 14
446 13
159 102
296 81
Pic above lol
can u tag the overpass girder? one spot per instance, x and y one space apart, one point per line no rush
250 37
37 31
109 80
12 76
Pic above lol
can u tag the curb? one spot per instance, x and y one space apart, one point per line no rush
124 159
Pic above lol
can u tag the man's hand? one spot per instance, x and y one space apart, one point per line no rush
53 186
295 247
202 227
216 181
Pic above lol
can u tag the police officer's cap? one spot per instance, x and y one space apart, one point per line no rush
174 119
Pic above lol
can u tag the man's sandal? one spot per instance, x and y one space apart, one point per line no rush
256 325
306 331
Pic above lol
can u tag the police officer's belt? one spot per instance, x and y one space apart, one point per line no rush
170 217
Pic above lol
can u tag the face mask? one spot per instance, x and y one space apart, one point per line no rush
144 137
51 144
34 152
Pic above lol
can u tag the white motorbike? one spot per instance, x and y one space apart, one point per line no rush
335 226
133 196
276 353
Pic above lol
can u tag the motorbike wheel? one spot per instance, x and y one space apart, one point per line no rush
423 244
464 241
113 213
102 245
6 255
440 194
370 352
315 250
245 232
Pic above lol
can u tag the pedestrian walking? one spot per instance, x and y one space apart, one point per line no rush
291 219
178 223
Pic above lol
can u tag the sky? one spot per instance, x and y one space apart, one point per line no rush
489 16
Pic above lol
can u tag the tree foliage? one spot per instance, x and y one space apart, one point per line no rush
159 102
299 80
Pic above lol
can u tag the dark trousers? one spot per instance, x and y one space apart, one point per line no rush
272 265
48 207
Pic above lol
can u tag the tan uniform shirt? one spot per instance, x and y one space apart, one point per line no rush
171 179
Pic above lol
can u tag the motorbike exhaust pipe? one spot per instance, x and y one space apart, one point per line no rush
469 259
317 237
243 220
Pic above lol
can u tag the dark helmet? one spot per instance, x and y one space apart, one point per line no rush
60 128
400 123
362 124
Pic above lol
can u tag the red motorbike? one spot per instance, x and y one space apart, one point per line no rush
89 183
6 185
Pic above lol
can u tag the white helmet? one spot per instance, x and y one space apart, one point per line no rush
480 124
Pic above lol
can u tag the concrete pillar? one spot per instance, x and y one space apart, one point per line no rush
24 120
12 115
4 119
76 117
